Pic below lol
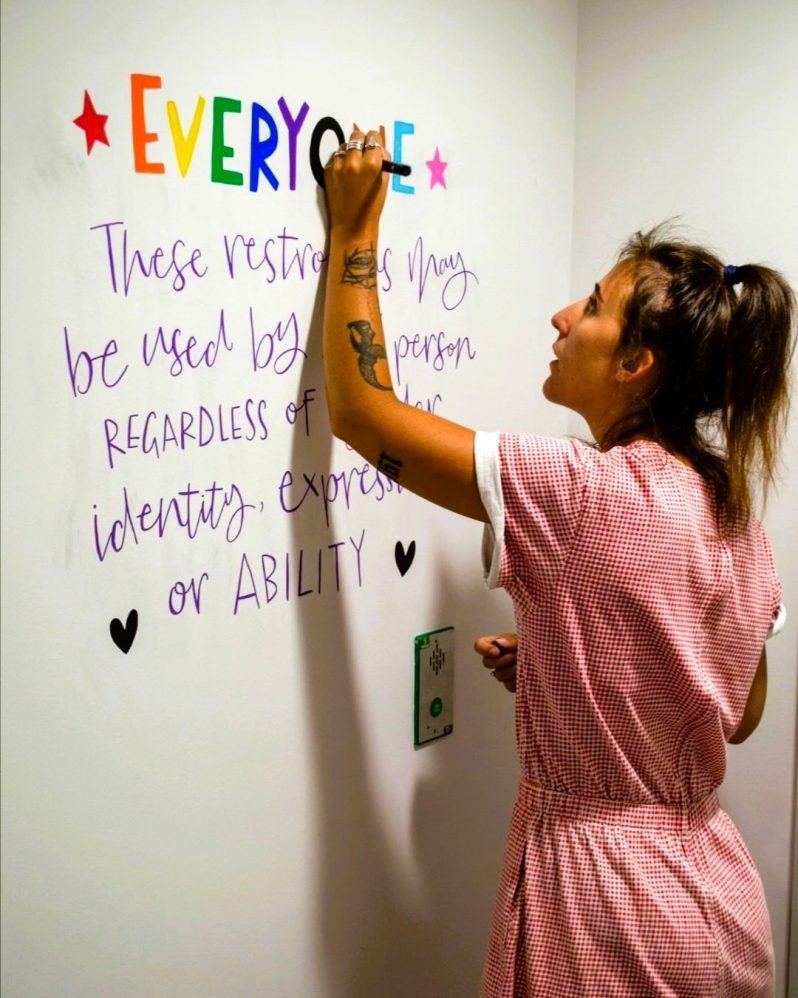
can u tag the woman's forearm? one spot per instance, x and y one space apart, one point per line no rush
356 365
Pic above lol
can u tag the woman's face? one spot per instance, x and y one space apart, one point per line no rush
584 375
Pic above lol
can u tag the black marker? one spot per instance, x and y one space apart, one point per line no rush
388 166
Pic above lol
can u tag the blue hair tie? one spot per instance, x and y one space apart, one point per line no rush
730 277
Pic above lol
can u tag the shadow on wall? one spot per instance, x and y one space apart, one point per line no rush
374 939
462 808
366 935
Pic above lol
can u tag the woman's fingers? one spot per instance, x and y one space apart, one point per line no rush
493 646
374 145
499 654
355 185
506 676
356 138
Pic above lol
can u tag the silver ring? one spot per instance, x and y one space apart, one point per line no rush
338 152
355 144
372 143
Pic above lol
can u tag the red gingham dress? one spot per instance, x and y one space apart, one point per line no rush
640 630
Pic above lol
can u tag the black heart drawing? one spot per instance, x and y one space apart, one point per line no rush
123 635
404 559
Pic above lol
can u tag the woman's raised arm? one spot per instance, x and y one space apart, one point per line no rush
423 452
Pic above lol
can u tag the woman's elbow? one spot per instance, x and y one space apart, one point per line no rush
340 416
338 425
346 426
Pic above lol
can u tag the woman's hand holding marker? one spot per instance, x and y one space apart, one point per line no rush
356 185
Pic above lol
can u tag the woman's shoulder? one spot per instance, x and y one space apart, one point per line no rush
648 460
526 448
641 482
641 465
643 453
683 492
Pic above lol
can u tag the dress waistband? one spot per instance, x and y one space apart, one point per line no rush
538 801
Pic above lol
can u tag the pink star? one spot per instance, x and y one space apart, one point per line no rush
93 124
436 167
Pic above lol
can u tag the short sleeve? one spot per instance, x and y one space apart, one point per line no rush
532 488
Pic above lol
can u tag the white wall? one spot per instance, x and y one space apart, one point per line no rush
235 806
689 108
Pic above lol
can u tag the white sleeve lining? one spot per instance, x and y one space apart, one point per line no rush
488 471
778 621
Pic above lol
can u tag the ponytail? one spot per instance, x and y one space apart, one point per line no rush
756 396
723 339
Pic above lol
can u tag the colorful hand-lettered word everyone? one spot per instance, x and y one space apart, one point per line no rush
265 132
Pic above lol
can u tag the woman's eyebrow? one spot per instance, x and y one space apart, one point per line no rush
598 294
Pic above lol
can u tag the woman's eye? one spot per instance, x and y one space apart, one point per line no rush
590 307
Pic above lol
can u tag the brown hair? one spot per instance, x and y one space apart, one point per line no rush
722 394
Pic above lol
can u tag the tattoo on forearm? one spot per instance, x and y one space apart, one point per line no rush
361 336
360 267
390 466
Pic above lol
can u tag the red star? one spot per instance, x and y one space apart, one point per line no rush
93 124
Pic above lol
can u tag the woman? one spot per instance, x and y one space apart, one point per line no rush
643 590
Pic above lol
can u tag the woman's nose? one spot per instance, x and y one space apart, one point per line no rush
560 321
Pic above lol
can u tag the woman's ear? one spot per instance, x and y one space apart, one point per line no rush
637 366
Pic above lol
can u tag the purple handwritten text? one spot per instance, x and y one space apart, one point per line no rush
157 433
266 346
176 263
279 255
435 349
189 510
184 349
181 592
429 404
451 269
296 574
82 367
295 410
328 489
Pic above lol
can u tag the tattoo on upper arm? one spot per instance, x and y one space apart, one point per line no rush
361 336
360 267
390 466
